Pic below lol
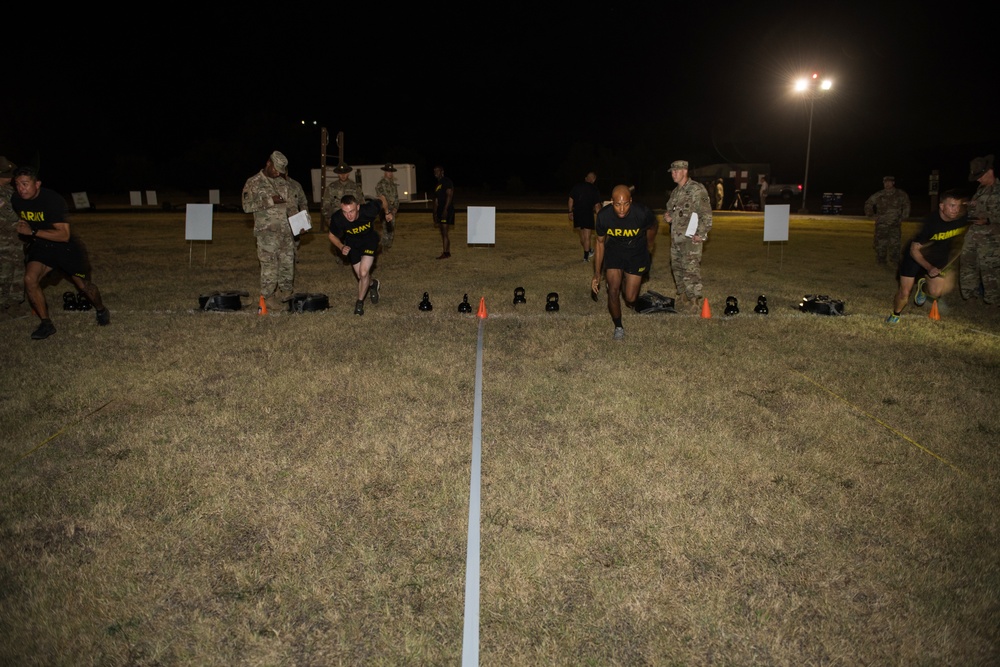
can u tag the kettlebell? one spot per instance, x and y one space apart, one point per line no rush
732 307
761 306
69 301
426 303
552 302
519 296
465 306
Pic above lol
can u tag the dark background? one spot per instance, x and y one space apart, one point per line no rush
510 98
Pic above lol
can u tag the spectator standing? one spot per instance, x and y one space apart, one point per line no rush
389 189
625 234
688 199
51 245
889 206
11 246
720 195
980 258
584 203
444 209
267 195
344 185
762 196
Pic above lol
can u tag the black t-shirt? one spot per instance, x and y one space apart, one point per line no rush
41 212
941 233
585 196
441 194
627 232
352 233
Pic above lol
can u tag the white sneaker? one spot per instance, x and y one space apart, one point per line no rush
619 334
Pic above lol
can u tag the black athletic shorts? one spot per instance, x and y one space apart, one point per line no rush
367 246
70 258
630 260
447 219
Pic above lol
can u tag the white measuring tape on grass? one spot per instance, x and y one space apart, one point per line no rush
470 637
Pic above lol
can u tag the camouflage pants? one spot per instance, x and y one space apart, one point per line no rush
388 230
685 263
11 274
276 252
980 262
886 242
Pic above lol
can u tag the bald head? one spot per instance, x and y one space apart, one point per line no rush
621 200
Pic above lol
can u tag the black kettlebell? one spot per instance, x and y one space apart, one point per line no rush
519 296
732 307
69 301
552 302
426 303
761 306
465 306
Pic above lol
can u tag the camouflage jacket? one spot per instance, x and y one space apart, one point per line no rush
986 204
336 191
258 198
892 205
692 197
389 190
8 219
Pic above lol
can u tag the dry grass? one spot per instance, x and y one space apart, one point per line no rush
226 489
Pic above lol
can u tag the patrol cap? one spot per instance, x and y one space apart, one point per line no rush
343 168
980 166
388 167
888 178
6 167
678 164
280 162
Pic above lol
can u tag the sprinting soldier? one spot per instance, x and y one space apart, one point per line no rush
352 233
297 201
584 203
444 209
928 254
889 206
344 185
980 258
388 188
51 245
11 246
266 194
687 199
625 233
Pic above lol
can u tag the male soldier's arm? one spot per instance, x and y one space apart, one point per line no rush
906 207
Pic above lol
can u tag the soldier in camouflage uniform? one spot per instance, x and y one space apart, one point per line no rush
889 206
266 195
388 188
344 185
11 246
688 198
980 258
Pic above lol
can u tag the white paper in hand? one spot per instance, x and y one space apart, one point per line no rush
300 222
692 226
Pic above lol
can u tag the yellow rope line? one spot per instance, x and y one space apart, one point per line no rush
57 433
882 423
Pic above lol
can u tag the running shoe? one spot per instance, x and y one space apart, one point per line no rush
373 291
104 317
892 319
919 298
44 330
359 308
619 334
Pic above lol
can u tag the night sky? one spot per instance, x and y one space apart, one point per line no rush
509 97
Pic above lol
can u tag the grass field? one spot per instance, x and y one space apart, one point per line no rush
186 487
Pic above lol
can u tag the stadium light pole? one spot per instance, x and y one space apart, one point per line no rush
812 87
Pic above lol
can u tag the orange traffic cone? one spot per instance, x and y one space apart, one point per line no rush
482 308
934 314
706 311
262 308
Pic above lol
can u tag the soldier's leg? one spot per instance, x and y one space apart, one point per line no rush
90 289
692 272
267 256
968 273
614 278
989 263
893 246
34 272
285 256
